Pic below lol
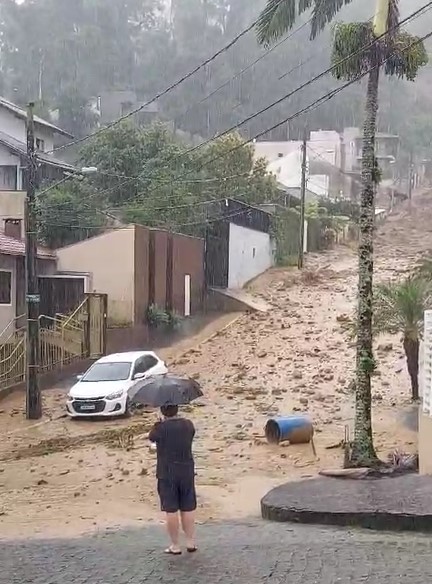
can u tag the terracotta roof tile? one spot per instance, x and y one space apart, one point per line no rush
12 246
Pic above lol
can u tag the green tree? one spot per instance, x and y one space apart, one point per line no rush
147 176
398 56
399 308
68 214
229 162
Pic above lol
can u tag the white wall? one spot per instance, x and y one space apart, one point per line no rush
250 254
12 125
6 156
16 127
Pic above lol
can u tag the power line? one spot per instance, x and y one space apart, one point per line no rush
196 223
315 104
308 108
274 47
301 64
412 16
161 93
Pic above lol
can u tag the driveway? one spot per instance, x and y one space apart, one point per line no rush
237 553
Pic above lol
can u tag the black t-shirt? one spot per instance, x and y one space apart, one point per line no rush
173 438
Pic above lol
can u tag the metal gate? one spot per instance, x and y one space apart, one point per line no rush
63 339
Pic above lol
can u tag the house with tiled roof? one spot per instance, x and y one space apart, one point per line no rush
13 159
12 279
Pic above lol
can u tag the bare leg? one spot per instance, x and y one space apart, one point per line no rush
172 523
188 525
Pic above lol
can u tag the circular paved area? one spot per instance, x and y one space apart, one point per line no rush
397 503
258 552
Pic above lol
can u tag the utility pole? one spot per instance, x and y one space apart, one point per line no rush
33 396
410 181
302 202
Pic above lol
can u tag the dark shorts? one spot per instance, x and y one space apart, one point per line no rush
177 494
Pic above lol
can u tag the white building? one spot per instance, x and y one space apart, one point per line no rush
324 156
13 138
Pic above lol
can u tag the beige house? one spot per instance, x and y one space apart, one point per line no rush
136 267
109 261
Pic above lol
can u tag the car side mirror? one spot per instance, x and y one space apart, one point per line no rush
79 377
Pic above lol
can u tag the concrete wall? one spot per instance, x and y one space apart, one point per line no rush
250 254
188 259
110 259
160 277
141 273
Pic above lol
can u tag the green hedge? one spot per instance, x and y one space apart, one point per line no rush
286 232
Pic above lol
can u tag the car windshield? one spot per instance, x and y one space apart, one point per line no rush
108 372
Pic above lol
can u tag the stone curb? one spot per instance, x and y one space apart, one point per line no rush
285 504
380 521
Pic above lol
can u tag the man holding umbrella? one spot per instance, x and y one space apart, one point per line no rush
175 470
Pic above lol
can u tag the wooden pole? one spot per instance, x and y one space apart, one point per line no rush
33 395
302 202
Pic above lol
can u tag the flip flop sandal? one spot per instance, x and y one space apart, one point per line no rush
193 549
171 552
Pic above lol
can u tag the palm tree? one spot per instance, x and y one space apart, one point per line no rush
399 308
358 49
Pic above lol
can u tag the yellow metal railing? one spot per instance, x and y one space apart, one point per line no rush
63 339
59 344
12 354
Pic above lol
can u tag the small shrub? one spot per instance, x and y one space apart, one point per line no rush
174 319
159 318
156 316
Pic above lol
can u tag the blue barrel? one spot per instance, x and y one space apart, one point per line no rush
295 429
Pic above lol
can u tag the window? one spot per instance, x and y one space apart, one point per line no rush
12 227
108 371
145 363
40 144
5 287
8 178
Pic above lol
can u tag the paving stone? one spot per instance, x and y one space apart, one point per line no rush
236 553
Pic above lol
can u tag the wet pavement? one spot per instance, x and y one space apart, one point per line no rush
393 503
246 553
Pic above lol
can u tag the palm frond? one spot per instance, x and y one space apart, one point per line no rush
400 306
278 17
406 55
323 13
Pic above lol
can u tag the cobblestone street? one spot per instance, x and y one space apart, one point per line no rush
246 553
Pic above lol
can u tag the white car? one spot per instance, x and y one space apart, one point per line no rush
104 389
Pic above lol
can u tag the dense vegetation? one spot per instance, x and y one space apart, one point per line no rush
63 53
147 176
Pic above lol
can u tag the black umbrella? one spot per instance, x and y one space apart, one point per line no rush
164 390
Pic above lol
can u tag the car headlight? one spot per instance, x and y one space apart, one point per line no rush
115 394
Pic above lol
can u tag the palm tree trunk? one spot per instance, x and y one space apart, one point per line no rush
363 451
412 348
